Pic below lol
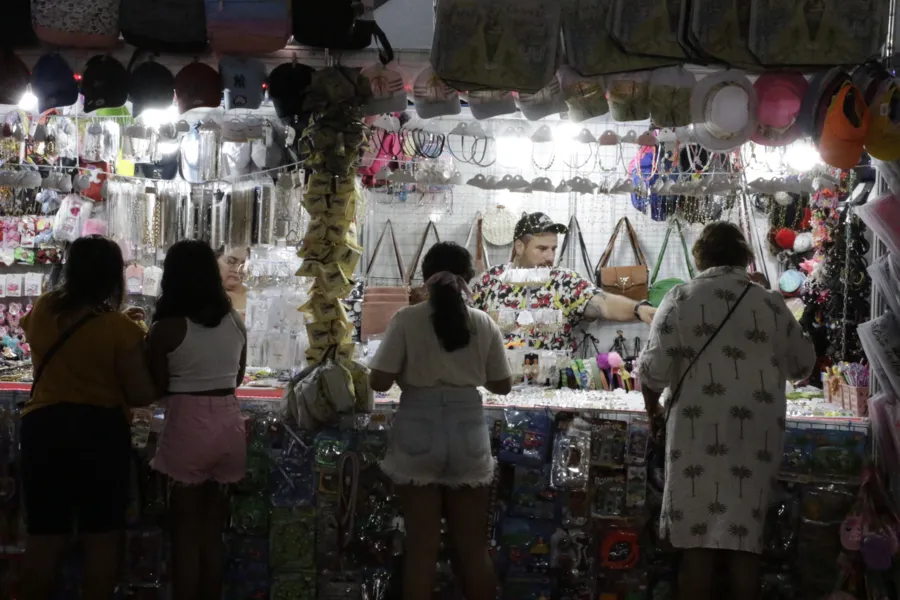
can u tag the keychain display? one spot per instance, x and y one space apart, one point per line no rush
608 495
608 443
570 462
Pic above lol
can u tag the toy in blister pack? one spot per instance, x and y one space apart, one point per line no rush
256 478
618 548
330 445
608 443
608 495
525 544
339 586
636 487
576 509
627 584
248 558
571 456
531 588
531 496
293 586
571 553
838 454
375 584
782 520
145 555
575 589
292 538
293 482
250 514
638 436
796 457
826 503
525 438
248 590
327 550
371 447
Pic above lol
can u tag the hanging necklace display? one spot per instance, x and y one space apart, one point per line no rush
583 138
542 136
477 153
174 198
241 214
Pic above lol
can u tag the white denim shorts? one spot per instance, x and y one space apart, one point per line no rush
439 437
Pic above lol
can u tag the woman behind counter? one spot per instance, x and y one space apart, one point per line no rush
439 455
89 367
198 352
726 346
231 267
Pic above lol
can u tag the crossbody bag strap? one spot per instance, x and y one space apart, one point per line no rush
55 348
420 250
574 226
673 399
676 225
635 245
604 258
388 226
662 253
684 246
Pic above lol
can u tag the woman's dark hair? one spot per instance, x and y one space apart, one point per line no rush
722 244
93 276
451 315
191 285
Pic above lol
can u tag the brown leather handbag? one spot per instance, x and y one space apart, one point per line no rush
419 293
381 303
630 281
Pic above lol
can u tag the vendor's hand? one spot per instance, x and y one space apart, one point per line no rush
646 313
135 313
657 423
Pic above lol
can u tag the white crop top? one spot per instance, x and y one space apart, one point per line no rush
208 358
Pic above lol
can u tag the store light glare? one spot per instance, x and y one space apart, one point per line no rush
802 157
155 117
29 101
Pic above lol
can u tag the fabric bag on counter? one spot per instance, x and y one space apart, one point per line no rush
629 281
784 34
503 44
659 289
381 303
320 393
177 26
590 49
419 293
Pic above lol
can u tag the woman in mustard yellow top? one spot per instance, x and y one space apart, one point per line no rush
90 366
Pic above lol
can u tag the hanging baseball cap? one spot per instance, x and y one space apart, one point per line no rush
845 128
287 88
242 82
546 102
151 86
104 83
53 82
433 97
669 96
628 95
485 104
537 224
388 90
585 96
883 138
14 77
779 100
822 88
197 85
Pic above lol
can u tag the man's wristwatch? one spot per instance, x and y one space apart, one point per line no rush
637 308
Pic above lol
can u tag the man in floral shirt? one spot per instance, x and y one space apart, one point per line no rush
536 240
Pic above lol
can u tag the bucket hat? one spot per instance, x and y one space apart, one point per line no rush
723 108
779 99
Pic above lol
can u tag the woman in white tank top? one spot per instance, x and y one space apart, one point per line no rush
198 352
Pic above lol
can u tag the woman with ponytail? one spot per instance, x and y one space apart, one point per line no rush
439 352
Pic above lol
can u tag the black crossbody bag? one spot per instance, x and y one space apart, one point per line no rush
673 399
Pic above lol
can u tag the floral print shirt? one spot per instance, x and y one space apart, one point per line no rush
566 291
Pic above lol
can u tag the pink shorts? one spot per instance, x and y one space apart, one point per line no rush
203 439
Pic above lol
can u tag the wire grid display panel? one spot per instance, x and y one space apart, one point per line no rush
455 209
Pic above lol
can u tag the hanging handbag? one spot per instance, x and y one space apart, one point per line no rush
630 281
419 293
574 229
659 289
381 303
482 263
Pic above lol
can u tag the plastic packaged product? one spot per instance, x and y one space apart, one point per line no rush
292 539
294 586
608 494
525 544
250 514
570 462
70 218
293 483
145 555
638 437
525 437
248 559
636 487
608 438
531 495
571 553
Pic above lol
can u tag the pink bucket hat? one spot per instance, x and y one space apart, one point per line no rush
780 96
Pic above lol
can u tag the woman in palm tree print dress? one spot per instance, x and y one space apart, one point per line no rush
724 431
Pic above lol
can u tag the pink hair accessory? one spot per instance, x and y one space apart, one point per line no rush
450 279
